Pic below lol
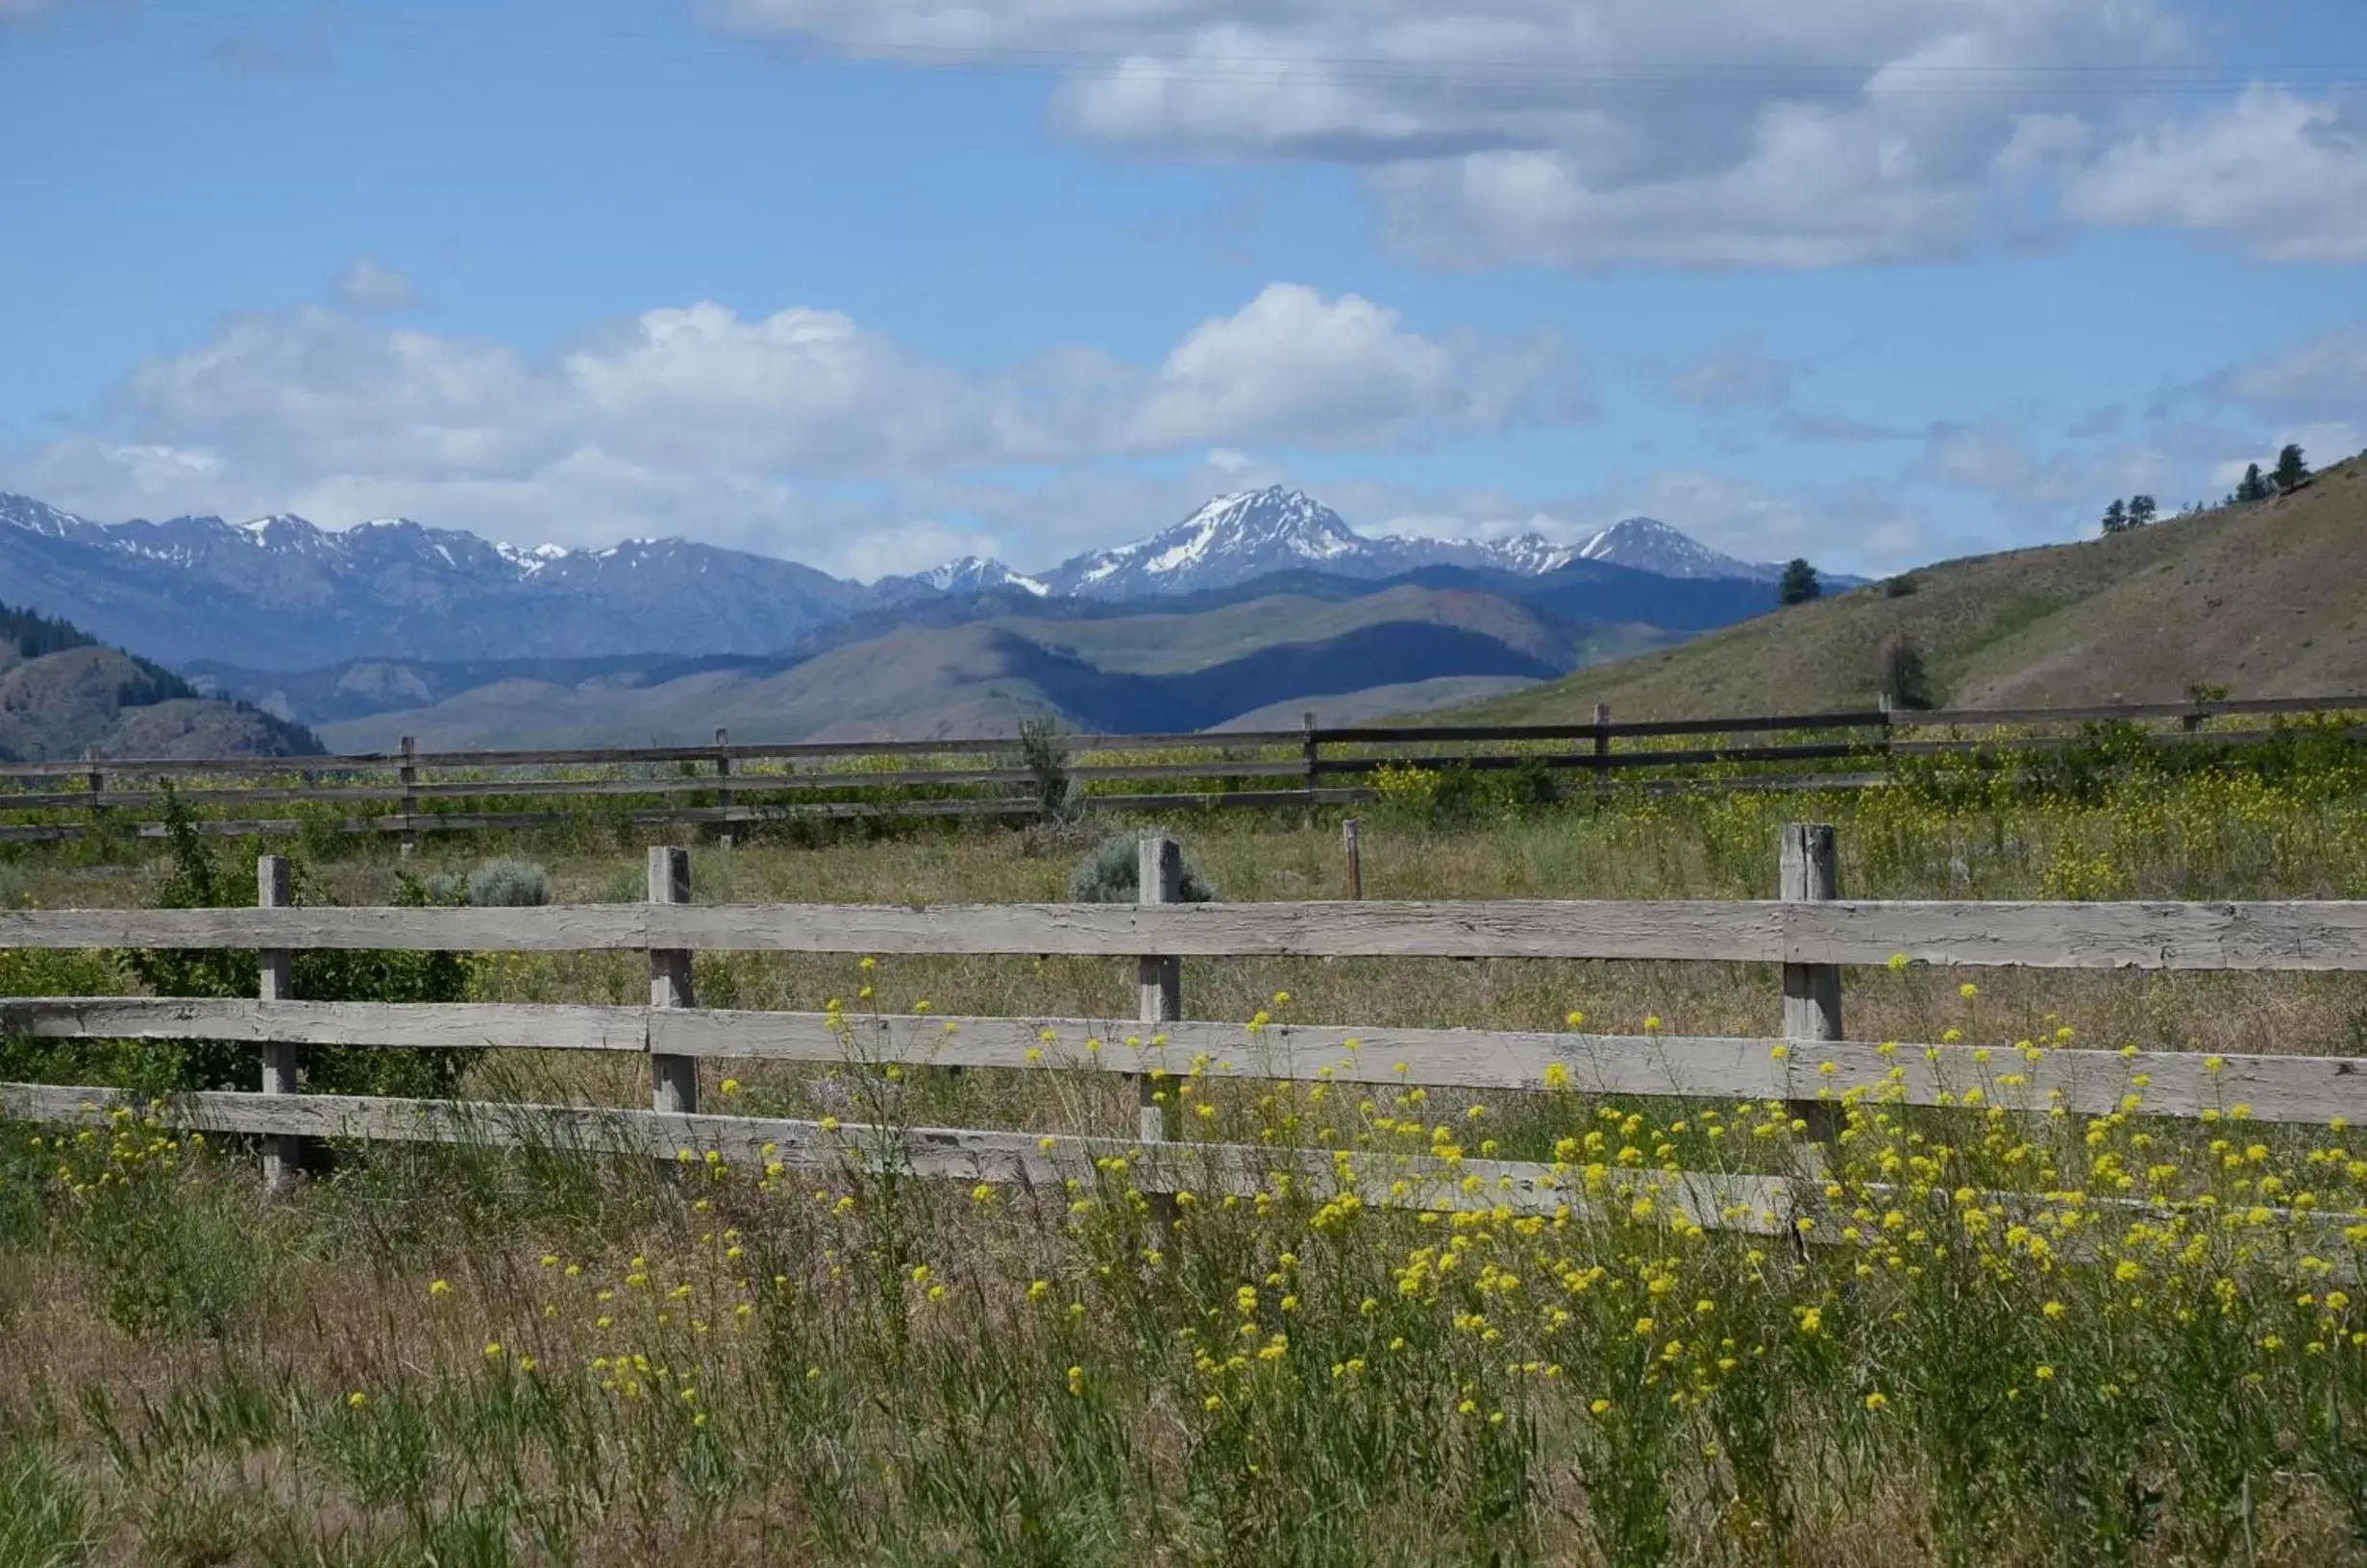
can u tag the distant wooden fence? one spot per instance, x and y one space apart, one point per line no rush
1809 931
746 784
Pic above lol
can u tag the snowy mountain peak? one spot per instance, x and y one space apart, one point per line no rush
974 573
40 517
1649 544
1231 539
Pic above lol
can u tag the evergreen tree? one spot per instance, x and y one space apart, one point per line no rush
2141 511
2291 472
2250 487
2116 517
1799 584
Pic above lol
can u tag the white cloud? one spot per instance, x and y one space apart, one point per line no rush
2277 174
369 285
1736 375
1293 366
2316 377
1818 132
696 419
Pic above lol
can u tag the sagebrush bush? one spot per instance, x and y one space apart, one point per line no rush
509 883
1112 875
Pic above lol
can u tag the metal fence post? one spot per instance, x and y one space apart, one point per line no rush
674 1080
1810 873
283 1152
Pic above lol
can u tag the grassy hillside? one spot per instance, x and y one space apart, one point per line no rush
1161 668
61 692
2267 600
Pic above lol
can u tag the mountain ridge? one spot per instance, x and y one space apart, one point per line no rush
281 593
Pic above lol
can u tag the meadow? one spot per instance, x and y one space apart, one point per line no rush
452 1356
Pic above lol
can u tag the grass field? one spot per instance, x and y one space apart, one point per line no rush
454 1357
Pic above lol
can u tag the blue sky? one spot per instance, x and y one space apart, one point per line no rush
872 282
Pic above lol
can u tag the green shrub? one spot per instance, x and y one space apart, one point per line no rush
196 880
1112 875
509 883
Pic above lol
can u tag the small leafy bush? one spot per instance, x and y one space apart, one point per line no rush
197 880
1112 875
509 883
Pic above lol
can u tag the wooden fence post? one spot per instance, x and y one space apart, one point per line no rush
722 791
93 756
674 1080
1159 881
406 779
1312 748
1602 748
1356 858
283 1152
1810 873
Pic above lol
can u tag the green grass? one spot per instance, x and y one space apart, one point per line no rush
533 1357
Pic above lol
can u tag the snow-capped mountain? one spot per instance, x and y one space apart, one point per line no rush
279 592
1649 545
1235 538
970 575
1230 540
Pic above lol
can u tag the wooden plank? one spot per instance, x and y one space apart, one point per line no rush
2302 935
417 1025
2273 1089
2107 712
1532 929
1760 1204
1622 761
552 928
2312 936
1408 734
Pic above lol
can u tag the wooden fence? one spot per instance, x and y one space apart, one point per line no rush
727 786
1809 932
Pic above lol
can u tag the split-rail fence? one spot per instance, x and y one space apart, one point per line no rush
1809 931
729 786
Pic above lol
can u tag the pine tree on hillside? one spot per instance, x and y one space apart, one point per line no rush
2291 472
2252 486
2142 510
2116 517
1799 584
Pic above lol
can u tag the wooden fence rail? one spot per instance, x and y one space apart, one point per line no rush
1812 933
755 783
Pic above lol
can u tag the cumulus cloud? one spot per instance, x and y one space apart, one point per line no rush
2282 176
370 284
1293 366
1814 134
698 419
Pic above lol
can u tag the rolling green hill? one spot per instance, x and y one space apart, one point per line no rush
2267 600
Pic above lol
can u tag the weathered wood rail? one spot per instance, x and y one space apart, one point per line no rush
1812 934
746 784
